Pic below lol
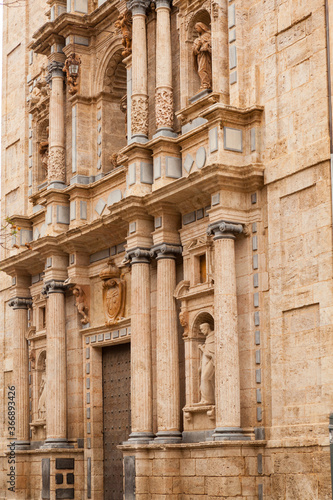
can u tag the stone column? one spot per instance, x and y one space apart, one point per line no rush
227 385
57 165
21 371
56 402
141 365
139 111
167 359
164 92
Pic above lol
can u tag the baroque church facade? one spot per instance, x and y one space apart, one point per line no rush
166 291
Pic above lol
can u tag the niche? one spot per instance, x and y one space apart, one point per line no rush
201 16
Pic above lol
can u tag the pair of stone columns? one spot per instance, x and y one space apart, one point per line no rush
228 425
164 93
167 362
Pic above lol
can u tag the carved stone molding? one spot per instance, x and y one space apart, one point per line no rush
139 115
56 165
138 256
113 293
81 303
54 286
20 303
164 108
165 251
224 229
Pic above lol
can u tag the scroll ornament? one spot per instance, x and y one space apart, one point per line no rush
164 108
139 115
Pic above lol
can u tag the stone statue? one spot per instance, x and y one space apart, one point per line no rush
42 398
124 24
81 304
207 366
202 51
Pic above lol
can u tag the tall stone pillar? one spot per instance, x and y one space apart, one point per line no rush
56 402
57 165
164 92
227 385
21 371
139 108
167 359
141 363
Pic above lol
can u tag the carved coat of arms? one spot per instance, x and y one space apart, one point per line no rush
113 293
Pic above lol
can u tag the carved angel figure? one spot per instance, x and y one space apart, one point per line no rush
124 24
202 51
207 366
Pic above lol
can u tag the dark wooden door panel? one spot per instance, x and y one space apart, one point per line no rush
117 415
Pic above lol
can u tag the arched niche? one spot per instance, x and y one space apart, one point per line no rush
202 16
201 317
41 386
42 151
113 108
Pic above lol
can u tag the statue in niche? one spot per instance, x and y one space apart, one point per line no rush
42 398
113 293
202 51
207 366
44 153
81 304
124 24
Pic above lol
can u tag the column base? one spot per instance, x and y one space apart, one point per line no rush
165 437
56 185
165 132
140 438
56 443
229 434
141 138
22 445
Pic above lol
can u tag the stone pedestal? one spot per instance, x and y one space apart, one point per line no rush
139 108
56 403
167 362
164 92
227 386
57 165
141 378
21 371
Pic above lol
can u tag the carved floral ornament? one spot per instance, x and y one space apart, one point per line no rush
113 293
164 108
139 115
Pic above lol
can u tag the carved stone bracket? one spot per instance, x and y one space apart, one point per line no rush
54 286
81 303
138 256
20 303
190 410
224 229
165 251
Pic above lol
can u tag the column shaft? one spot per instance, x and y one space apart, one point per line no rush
21 377
164 93
141 383
139 113
226 336
56 166
56 403
168 411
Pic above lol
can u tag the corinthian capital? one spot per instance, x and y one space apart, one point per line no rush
224 229
20 303
138 6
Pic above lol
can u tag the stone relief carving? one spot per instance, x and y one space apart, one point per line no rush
124 24
207 366
140 115
202 51
40 91
72 70
113 293
183 318
164 108
44 153
81 304
42 394
56 165
32 359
